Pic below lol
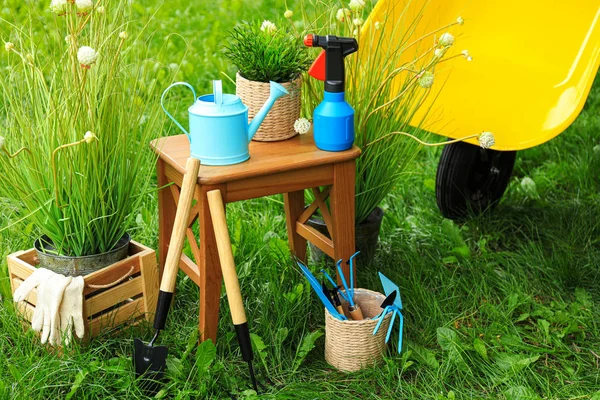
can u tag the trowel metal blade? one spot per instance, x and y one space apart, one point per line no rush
150 361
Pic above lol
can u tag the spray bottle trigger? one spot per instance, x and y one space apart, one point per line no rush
317 69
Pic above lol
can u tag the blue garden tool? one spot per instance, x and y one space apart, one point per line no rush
219 130
348 294
392 291
314 283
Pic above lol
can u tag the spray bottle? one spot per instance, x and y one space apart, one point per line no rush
334 118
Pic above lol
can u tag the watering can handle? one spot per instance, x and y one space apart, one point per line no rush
218 92
162 98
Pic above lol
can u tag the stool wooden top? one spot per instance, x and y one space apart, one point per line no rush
265 158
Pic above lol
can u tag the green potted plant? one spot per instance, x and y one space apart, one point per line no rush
78 112
263 53
386 87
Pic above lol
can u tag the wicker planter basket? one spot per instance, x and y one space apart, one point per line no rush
279 123
351 345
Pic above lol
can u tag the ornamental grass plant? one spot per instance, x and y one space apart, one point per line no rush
386 86
78 106
265 52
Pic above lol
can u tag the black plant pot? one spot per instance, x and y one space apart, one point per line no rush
366 236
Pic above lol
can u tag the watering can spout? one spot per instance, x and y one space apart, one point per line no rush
277 91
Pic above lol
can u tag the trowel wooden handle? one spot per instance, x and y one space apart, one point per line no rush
356 313
232 285
180 225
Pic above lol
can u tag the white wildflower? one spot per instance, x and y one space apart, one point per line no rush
596 149
377 25
123 35
302 125
69 39
486 140
1 142
173 66
426 79
58 7
529 187
100 10
439 53
86 56
30 58
355 32
466 55
89 137
356 5
460 20
446 39
342 14
288 14
358 21
8 46
268 26
84 6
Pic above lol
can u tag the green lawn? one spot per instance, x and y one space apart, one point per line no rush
504 306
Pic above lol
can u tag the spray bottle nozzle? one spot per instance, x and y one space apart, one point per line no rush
332 66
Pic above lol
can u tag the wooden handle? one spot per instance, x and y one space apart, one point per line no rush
232 285
356 313
180 225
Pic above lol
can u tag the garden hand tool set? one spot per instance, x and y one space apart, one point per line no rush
232 284
219 129
59 306
334 118
149 359
393 304
329 297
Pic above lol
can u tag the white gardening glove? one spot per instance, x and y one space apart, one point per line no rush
71 310
40 275
50 295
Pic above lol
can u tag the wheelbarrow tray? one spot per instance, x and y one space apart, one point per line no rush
532 69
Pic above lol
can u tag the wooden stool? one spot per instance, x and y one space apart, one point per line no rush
286 167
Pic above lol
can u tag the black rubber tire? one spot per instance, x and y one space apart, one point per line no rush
471 180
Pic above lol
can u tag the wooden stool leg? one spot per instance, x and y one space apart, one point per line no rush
210 271
294 206
166 215
342 212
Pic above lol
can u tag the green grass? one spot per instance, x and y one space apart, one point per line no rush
505 306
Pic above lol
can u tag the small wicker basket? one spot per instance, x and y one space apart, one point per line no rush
350 345
279 122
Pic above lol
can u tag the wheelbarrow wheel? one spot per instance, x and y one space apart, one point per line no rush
471 180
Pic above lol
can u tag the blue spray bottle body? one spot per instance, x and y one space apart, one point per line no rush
333 121
333 118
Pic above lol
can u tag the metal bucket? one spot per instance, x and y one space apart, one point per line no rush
83 265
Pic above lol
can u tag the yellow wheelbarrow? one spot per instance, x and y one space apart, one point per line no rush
533 65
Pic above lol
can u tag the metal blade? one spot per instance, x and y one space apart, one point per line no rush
389 300
150 361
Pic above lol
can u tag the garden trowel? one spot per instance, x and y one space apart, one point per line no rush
149 360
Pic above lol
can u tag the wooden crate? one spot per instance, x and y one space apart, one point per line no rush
131 297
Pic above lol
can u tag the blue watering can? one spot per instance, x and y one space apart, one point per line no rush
219 130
